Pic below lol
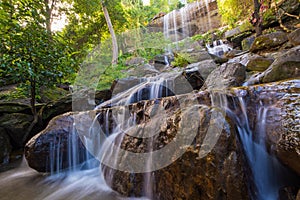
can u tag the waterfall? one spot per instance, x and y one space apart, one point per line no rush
67 152
269 174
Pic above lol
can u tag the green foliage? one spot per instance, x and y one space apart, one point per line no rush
233 11
30 54
19 92
182 60
111 73
209 36
269 16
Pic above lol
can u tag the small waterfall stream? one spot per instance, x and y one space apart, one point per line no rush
269 174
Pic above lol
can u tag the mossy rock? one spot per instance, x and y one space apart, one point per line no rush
285 67
14 108
268 41
49 94
258 63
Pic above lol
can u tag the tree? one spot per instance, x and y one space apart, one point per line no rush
112 33
30 54
257 20
234 10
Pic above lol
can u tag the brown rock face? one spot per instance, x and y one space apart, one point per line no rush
211 165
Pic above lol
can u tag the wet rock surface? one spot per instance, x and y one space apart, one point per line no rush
49 150
211 166
281 99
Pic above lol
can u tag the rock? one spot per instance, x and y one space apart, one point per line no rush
142 71
16 125
289 6
288 193
135 61
164 59
9 107
268 41
225 76
237 39
238 31
285 67
294 37
124 84
186 82
49 150
206 170
253 62
5 147
218 59
199 56
171 83
49 94
258 63
204 67
247 42
256 78
233 53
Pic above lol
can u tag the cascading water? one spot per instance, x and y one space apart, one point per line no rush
269 175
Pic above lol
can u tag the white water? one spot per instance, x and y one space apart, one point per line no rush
24 183
150 88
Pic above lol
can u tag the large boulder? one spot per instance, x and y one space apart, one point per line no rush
211 165
225 76
204 67
11 107
142 71
268 41
285 67
135 61
57 147
50 94
253 62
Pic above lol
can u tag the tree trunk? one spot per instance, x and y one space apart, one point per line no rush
33 109
258 20
112 33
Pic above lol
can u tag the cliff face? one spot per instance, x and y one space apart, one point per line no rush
194 18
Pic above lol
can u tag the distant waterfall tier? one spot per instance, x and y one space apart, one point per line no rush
194 18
